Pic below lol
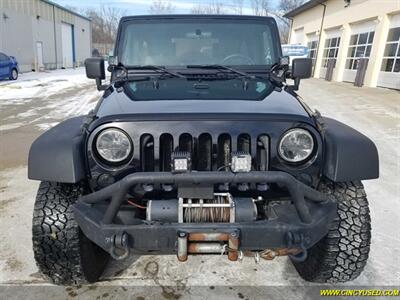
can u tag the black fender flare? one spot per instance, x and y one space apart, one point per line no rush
58 154
349 155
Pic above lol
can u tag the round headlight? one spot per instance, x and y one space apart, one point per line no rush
113 145
296 145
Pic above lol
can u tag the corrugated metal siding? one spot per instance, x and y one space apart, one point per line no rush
38 8
64 16
22 30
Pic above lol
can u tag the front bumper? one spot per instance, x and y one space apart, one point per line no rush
298 225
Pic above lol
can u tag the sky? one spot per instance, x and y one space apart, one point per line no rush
137 7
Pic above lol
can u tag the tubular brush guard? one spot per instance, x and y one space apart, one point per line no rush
299 225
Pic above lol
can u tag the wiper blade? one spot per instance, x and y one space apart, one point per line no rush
222 67
159 69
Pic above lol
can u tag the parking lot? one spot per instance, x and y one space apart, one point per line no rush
38 101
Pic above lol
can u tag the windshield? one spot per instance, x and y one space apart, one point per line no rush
180 43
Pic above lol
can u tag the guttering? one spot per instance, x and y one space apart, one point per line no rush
302 8
290 29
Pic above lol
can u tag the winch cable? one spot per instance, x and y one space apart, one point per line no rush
208 214
130 201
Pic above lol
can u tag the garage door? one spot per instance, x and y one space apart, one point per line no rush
331 49
361 40
389 75
299 36
67 45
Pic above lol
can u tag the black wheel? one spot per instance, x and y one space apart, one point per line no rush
62 252
14 74
342 254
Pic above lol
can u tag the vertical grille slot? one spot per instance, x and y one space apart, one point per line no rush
208 152
224 151
166 149
262 153
147 153
204 152
186 143
243 144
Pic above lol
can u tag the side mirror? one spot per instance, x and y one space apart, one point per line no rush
95 70
301 69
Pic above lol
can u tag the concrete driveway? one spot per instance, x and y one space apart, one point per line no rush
36 102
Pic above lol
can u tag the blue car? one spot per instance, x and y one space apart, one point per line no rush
8 67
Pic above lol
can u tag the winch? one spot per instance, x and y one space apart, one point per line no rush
222 209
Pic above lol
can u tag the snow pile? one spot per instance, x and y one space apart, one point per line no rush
45 99
41 85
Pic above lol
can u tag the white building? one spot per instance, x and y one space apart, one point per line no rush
43 35
350 31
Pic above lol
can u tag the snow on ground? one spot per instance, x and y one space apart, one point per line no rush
43 99
42 84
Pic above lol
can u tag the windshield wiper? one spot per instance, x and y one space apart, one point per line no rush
222 67
158 69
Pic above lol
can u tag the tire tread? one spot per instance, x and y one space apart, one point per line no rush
56 235
343 253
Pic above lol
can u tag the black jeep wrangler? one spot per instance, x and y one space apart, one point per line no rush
200 145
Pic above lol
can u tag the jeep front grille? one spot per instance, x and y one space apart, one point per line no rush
208 153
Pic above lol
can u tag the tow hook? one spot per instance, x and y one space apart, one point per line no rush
297 240
120 248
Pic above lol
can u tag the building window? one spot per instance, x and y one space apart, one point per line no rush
331 50
391 56
312 51
360 47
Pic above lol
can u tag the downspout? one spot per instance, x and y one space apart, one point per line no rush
320 33
91 38
290 30
55 37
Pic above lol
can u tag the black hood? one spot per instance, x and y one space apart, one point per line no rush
277 103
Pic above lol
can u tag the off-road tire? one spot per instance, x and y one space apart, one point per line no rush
342 254
62 252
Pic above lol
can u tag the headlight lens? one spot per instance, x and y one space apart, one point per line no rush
113 145
296 145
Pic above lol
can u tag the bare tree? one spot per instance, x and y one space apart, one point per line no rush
260 7
284 7
214 8
104 26
161 7
111 16
237 7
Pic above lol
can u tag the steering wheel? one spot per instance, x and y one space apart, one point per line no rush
236 56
